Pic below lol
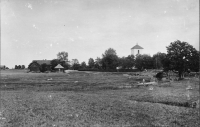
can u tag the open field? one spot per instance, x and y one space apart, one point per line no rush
96 99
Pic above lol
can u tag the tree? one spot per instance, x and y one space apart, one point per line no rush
64 64
166 64
32 63
110 59
194 62
62 56
98 63
43 67
16 67
19 67
23 66
110 51
83 65
182 56
75 64
143 62
127 62
158 60
91 63
54 63
131 61
122 62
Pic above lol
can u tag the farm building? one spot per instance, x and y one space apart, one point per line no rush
59 68
36 65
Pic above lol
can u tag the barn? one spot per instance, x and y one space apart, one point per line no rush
35 65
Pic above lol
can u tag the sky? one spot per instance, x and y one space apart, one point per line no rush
39 29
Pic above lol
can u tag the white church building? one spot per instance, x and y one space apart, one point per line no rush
136 50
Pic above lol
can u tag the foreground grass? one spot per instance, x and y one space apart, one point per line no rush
92 99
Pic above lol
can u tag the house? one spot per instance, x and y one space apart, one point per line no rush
35 65
135 50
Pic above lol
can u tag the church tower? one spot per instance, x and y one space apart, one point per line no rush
136 50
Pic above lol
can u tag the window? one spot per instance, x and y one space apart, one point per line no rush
138 51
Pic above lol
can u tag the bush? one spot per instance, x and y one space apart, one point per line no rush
159 76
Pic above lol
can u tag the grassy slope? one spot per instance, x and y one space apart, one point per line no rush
95 100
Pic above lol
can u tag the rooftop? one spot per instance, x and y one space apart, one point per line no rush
137 47
59 66
48 62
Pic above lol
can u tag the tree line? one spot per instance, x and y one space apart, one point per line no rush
19 66
180 57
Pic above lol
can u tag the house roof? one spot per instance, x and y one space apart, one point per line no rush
48 62
59 66
137 47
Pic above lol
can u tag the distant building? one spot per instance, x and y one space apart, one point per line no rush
136 50
59 68
36 64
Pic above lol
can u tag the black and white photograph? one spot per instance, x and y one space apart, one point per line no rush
99 63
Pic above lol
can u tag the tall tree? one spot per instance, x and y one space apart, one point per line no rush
110 51
75 64
91 63
98 63
110 59
62 56
182 56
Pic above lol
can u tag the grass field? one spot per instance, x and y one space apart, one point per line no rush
95 99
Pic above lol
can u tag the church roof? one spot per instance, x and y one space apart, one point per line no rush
137 47
59 66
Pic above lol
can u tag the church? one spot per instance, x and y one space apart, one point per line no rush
136 50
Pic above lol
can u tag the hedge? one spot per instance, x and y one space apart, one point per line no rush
109 70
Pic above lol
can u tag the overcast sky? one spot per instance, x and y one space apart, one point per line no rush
39 29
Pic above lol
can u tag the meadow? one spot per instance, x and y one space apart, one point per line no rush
95 99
